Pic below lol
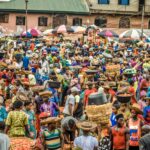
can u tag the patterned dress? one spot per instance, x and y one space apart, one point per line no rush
17 121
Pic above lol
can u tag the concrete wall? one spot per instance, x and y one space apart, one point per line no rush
113 6
33 21
112 21
147 6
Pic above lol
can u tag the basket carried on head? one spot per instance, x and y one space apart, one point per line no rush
54 84
37 88
21 97
99 114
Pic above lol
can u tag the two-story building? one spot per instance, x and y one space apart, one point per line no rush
119 13
45 14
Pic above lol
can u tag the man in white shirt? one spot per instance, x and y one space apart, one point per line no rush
86 141
70 102
4 139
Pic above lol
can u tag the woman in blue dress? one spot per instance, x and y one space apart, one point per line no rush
31 118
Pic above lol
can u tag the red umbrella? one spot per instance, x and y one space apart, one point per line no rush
34 32
108 33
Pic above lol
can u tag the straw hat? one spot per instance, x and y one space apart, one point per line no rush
45 94
50 120
86 125
136 107
147 98
21 97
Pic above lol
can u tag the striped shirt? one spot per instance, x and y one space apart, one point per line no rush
52 139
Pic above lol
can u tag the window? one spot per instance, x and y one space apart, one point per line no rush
124 22
4 18
59 20
42 21
77 22
20 20
103 1
123 2
101 22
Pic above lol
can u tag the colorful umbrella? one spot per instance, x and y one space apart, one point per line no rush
78 29
108 33
62 29
26 34
35 32
132 34
31 33
48 32
92 27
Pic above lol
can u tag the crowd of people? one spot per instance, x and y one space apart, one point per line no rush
45 89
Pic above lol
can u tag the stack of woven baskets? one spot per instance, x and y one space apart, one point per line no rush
99 114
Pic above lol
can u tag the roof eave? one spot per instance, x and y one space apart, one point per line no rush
44 11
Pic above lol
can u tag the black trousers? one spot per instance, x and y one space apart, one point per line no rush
70 134
133 147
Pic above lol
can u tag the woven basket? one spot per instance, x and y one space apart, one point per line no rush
37 88
99 114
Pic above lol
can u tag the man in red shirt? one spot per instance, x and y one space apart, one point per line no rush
120 134
89 91
131 90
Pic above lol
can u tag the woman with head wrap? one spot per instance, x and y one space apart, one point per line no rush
17 121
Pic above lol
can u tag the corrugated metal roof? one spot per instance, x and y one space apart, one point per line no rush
49 6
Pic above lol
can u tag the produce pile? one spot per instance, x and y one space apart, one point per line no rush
112 68
99 114
21 143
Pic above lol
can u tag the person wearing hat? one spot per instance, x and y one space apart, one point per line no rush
27 90
52 137
135 125
86 141
48 105
88 91
70 102
146 111
120 134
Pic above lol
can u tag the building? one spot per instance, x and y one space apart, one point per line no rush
42 14
119 13
45 14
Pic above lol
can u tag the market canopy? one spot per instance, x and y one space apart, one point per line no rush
48 32
92 27
108 33
132 34
63 29
78 29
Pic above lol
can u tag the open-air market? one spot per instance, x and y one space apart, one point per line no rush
74 75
